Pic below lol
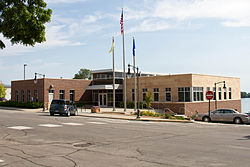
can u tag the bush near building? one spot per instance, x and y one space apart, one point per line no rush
21 104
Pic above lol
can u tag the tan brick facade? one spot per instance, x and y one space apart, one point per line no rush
44 85
190 81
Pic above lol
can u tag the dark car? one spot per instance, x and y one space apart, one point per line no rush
63 107
223 115
3 99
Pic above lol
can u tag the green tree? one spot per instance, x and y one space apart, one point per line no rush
2 91
22 21
244 95
83 74
148 100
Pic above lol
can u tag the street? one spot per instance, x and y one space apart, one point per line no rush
37 139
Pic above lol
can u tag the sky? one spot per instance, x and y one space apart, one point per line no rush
172 37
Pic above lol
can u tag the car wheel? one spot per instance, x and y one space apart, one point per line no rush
237 120
206 119
51 114
68 113
76 113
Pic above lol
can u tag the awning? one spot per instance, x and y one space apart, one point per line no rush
104 87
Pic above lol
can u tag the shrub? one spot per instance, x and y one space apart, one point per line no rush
22 104
130 104
80 104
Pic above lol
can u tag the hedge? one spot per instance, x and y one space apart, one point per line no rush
22 104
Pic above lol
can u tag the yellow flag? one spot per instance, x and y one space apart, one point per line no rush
112 48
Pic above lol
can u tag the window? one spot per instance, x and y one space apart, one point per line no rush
168 94
36 95
208 89
219 91
133 94
28 96
184 94
22 95
214 94
156 94
16 95
72 95
144 93
230 93
197 93
61 94
225 93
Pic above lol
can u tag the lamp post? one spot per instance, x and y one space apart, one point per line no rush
24 71
215 95
138 97
35 81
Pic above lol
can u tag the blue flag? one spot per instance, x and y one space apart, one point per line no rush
133 47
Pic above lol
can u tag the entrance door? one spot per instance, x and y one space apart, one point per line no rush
103 100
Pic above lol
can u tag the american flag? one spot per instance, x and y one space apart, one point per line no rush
121 22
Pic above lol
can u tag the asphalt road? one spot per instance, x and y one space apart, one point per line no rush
37 139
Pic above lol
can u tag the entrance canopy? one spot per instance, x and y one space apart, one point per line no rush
104 87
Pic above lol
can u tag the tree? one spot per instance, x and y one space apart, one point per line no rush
22 21
148 100
83 74
2 91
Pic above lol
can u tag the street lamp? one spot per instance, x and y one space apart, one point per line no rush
137 74
215 96
24 71
35 81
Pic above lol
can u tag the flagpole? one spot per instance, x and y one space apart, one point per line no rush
124 72
113 41
135 105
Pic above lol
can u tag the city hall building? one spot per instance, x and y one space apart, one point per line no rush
181 94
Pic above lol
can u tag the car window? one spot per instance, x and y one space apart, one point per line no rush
57 102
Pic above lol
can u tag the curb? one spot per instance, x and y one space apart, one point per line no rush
135 119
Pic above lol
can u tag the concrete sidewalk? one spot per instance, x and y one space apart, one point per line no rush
120 114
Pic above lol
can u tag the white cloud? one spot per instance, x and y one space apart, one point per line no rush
225 10
154 15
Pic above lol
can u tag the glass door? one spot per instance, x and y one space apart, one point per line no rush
103 100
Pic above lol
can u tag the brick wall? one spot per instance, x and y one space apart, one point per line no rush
44 85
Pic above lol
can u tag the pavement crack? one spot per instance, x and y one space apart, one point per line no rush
154 162
139 151
26 159
71 160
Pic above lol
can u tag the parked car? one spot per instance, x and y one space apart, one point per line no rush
3 99
63 107
223 115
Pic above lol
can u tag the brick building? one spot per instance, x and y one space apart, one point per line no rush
182 94
45 90
185 93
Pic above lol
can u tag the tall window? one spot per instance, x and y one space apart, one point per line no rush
28 96
36 95
156 94
16 95
225 93
168 94
184 94
72 95
198 93
61 94
22 95
144 93
214 93
133 94
208 89
219 91
230 93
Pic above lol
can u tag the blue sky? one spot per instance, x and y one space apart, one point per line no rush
172 36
